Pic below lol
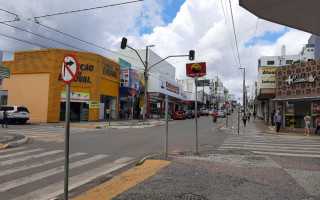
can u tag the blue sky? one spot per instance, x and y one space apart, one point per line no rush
267 38
170 8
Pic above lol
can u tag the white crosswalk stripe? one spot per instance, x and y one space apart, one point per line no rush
44 131
37 166
274 145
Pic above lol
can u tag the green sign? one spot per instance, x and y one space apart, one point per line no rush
4 72
94 104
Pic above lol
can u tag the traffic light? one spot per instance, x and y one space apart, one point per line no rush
191 55
124 43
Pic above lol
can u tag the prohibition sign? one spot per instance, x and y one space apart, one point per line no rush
69 69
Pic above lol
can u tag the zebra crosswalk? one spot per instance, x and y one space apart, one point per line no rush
38 173
262 143
44 132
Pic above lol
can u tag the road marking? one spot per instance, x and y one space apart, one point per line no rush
41 175
288 154
259 149
12 149
13 161
125 181
54 190
30 166
19 153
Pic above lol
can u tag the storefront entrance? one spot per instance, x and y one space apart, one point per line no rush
295 113
79 111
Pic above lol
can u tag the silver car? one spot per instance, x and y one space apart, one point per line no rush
221 113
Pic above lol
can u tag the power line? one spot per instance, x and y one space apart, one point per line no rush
235 35
82 10
254 37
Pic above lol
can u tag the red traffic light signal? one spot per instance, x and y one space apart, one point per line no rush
124 43
191 55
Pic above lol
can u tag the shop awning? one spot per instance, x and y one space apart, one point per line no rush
299 14
297 99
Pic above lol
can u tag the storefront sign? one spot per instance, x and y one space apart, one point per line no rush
94 104
129 78
76 96
172 88
80 77
110 70
196 69
267 77
296 79
124 64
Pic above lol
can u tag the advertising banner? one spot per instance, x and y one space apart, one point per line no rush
267 77
76 96
94 104
129 78
196 69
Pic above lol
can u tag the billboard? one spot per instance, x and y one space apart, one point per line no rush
196 69
267 77
129 78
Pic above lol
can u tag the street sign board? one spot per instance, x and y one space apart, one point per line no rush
4 72
196 69
203 83
69 68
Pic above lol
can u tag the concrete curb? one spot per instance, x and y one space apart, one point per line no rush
16 143
133 126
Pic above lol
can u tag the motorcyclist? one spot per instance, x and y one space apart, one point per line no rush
214 115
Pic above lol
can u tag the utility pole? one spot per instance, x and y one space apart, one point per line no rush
244 89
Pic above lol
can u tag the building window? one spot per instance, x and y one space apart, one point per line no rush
289 62
270 62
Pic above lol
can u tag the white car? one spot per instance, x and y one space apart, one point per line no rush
18 114
210 111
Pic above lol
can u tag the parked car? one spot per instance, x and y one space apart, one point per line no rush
211 111
193 113
204 111
189 114
18 114
221 113
178 115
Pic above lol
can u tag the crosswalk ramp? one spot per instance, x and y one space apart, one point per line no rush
295 146
39 173
44 132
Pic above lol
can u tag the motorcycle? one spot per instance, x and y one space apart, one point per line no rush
214 119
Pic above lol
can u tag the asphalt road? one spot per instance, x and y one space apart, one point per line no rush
35 170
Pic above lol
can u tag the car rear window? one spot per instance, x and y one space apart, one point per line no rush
7 108
22 109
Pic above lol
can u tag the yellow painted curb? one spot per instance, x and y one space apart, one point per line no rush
124 181
2 145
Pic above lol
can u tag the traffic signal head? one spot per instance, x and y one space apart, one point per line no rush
124 43
191 55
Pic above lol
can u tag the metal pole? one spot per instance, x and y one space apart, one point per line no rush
109 115
238 120
145 86
244 88
196 114
132 106
166 138
66 161
227 118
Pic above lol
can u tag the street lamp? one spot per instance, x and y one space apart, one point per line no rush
146 69
244 88
145 64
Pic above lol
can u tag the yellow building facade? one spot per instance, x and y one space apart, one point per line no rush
35 82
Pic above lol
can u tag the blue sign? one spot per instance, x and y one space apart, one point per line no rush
124 64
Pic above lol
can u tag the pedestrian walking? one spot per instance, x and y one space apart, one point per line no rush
317 124
5 118
249 116
277 118
307 121
272 117
244 119
254 116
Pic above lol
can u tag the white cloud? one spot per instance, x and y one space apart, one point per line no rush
199 25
